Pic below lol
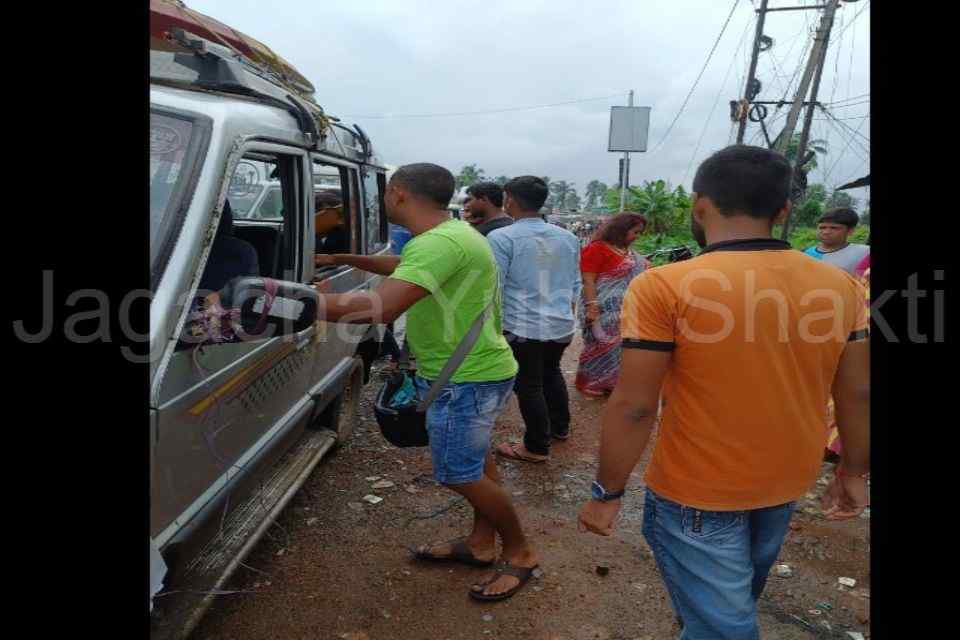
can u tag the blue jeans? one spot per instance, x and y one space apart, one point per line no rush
460 422
714 563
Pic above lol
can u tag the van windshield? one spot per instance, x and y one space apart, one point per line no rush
173 153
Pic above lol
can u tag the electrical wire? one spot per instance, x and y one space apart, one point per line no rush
697 81
846 126
852 104
716 101
857 15
865 95
482 112
843 152
836 60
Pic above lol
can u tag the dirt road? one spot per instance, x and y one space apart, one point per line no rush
336 566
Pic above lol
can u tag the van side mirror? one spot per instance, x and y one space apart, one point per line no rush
270 308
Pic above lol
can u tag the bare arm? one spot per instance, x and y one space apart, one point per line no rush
627 420
591 311
626 425
382 265
381 306
851 396
589 287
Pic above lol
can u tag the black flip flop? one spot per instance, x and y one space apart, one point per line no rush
459 552
505 568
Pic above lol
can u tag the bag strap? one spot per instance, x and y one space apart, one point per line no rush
459 355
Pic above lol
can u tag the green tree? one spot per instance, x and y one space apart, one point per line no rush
572 202
469 175
501 180
559 190
841 199
594 193
819 148
808 211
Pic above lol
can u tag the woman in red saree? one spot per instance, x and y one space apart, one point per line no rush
607 265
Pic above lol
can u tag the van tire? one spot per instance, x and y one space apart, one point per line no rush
343 412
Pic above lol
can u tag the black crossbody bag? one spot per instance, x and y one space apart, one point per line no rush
406 425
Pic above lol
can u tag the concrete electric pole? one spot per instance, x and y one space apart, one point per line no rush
625 172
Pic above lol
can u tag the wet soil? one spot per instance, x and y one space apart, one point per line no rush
336 566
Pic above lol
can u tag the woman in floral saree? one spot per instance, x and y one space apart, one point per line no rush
607 265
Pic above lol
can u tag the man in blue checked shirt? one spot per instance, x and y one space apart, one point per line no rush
540 279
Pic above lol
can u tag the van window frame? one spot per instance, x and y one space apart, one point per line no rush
182 198
380 235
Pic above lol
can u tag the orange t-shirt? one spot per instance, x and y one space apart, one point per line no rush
756 330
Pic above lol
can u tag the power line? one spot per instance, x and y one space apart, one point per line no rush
847 129
866 115
853 43
474 113
853 104
695 82
865 95
836 60
842 153
846 126
857 15
716 101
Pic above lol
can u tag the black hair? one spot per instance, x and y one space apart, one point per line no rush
530 192
841 215
744 179
326 198
489 190
427 180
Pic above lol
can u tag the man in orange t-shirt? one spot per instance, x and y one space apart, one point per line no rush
743 344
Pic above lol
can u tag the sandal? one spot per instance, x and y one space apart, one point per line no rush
505 568
459 552
512 451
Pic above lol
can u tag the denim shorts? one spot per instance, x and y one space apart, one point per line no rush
459 422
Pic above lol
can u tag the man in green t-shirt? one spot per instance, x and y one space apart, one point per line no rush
445 278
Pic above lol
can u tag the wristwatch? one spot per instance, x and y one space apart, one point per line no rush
600 494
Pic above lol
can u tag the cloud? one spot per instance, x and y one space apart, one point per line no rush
381 57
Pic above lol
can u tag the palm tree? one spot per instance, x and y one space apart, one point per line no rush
594 193
818 146
469 175
559 190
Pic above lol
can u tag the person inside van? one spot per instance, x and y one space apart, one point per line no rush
330 223
230 257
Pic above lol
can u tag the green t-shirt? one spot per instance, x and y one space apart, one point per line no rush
455 264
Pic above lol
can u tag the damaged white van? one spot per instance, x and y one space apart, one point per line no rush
248 390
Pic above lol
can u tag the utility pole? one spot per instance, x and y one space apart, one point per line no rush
625 174
814 64
820 45
761 16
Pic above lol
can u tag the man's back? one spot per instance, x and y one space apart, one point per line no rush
539 269
757 331
455 265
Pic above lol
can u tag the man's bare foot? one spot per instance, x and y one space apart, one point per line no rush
519 452
494 583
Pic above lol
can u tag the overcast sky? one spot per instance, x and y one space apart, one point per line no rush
374 61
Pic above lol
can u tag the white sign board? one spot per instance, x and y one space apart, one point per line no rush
628 128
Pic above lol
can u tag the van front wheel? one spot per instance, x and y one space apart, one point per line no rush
343 412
